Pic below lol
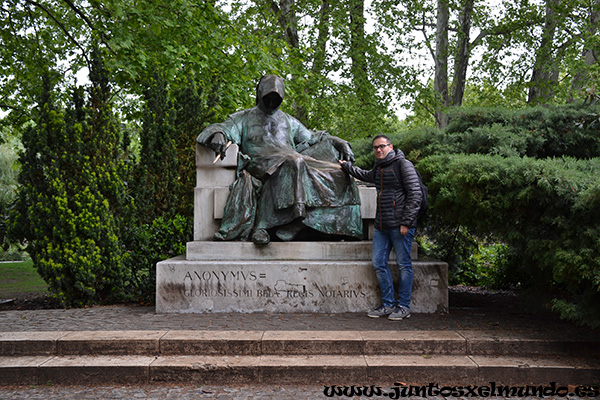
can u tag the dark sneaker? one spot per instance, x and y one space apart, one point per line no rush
380 311
399 314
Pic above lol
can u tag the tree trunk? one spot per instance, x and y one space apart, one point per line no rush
461 61
287 20
441 63
286 16
591 55
545 70
358 68
321 45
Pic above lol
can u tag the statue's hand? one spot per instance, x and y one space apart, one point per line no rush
218 144
344 148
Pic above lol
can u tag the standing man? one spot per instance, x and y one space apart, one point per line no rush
398 202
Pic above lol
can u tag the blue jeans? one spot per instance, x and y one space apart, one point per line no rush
383 241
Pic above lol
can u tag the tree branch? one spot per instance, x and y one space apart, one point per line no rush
428 109
499 30
89 23
422 30
3 105
66 32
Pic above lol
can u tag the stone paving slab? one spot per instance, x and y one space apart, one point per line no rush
68 370
313 342
313 369
414 342
113 342
166 392
211 342
25 343
206 369
564 370
296 369
421 369
40 370
189 342
21 370
527 343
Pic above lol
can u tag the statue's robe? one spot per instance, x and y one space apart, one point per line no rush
285 173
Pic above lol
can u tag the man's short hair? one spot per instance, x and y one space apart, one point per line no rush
381 137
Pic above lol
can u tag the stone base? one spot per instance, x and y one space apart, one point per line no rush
282 277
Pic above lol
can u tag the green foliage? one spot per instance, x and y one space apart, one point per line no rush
69 186
8 191
416 143
546 210
150 243
540 132
164 179
174 113
486 267
155 174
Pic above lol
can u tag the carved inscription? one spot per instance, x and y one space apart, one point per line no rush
251 284
221 276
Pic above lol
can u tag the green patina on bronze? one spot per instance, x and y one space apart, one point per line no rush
288 177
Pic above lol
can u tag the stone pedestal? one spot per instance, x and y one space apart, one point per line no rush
328 277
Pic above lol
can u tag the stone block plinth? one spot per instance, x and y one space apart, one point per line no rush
322 277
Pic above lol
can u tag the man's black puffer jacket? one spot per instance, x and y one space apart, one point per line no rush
398 198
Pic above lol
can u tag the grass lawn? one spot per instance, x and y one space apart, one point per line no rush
20 278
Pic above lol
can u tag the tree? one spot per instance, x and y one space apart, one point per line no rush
544 54
441 62
461 62
583 80
183 35
337 77
510 38
69 189
545 69
34 37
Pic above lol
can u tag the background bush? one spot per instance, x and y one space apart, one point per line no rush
9 172
547 211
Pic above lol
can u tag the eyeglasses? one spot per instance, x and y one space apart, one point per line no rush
380 147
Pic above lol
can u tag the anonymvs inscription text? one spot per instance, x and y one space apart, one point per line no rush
238 283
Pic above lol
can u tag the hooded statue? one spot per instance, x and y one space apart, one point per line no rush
288 178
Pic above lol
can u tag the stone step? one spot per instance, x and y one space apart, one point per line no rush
301 343
384 370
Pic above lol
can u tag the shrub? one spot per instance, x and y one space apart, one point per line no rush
540 132
70 186
8 192
150 243
547 211
486 267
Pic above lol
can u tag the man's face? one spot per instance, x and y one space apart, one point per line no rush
381 147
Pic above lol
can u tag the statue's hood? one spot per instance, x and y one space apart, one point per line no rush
269 93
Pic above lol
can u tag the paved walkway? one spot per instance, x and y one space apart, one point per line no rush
477 313
152 392
115 318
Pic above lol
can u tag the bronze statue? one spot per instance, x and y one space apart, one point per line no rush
288 178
